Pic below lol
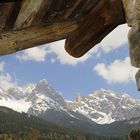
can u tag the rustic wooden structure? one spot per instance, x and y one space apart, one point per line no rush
29 23
83 23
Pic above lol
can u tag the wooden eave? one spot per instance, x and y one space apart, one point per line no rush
29 23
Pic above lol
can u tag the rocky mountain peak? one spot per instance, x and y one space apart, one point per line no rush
28 88
43 82
105 106
102 106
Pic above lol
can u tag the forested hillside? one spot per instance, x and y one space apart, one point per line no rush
17 126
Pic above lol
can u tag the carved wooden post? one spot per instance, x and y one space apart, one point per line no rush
132 12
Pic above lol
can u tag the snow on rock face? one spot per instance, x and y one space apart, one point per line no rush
17 105
101 106
15 98
34 99
44 97
2 94
45 89
104 107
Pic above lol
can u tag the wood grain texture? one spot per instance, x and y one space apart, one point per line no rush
74 9
5 12
28 13
30 37
106 16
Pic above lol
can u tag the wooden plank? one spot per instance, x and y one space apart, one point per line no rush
13 15
30 37
44 7
68 9
6 1
88 6
71 12
5 12
102 20
56 11
28 13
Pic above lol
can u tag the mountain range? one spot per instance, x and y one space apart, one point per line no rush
100 110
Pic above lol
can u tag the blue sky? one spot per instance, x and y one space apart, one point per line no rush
106 66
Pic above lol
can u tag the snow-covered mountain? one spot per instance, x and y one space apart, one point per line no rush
43 101
101 106
44 97
37 98
15 98
104 106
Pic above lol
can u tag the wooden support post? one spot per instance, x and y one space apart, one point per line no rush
34 36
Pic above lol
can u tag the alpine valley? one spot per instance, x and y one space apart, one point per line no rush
102 112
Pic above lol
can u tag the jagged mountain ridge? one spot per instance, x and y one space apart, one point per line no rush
101 106
104 106
46 103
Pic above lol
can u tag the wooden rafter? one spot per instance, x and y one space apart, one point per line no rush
5 11
6 1
28 12
30 37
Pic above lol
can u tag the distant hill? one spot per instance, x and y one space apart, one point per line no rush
21 126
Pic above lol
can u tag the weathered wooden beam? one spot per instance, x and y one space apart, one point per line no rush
138 80
87 7
34 36
28 12
57 10
75 7
5 12
106 16
44 7
80 8
5 1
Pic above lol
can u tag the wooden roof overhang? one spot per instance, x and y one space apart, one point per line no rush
83 23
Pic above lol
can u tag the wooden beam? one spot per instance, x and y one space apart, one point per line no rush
57 10
138 80
5 12
34 36
106 16
6 1
44 7
88 6
28 12
74 9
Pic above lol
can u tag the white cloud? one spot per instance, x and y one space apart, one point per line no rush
115 39
111 42
6 80
37 54
119 71
58 49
